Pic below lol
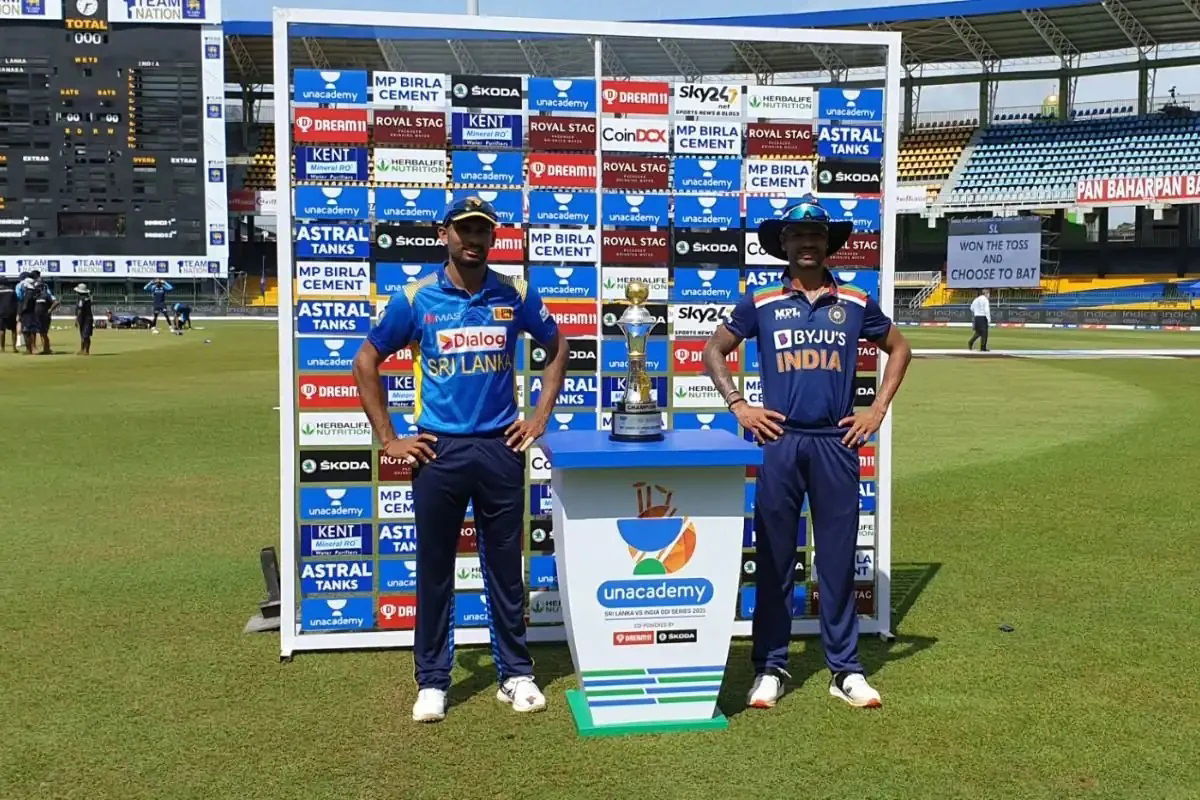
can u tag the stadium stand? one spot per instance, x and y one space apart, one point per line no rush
260 174
930 151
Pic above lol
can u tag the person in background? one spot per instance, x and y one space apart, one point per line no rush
183 316
981 313
36 304
8 314
158 289
24 281
83 319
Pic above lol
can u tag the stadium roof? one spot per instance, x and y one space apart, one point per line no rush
954 31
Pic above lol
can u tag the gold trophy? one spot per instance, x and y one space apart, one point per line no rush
636 417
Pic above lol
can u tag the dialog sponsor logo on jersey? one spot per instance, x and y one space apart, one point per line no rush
866 497
315 355
850 141
576 282
634 136
410 89
539 465
779 102
779 139
635 97
707 211
702 285
579 391
319 428
338 279
329 87
395 502
687 356
479 129
636 247
541 499
401 390
349 539
864 390
343 613
868 357
331 202
409 165
410 205
857 105
708 174
555 94
397 538
492 169
407 244
708 247
562 133
545 608
613 390
392 278
331 163
616 279
397 575
328 391
849 177
146 266
574 318
468 573
562 208
641 210
611 312
485 91
716 138
698 320
340 503
760 209
397 611
572 246
410 128
563 170
471 610
334 125
471 339
614 353
706 421
318 240
324 577
860 250
864 213
772 175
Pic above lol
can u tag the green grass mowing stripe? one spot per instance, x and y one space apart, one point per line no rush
611 673
704 698
690 678
612 692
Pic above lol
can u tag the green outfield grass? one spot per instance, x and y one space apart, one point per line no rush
1057 496
1055 339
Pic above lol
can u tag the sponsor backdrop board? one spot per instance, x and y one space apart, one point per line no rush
597 182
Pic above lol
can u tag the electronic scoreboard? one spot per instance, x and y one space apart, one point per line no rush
112 138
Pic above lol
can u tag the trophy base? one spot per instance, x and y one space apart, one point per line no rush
636 426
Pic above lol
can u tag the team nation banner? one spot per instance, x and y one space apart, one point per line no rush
1166 187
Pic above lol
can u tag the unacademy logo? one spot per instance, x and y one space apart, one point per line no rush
331 94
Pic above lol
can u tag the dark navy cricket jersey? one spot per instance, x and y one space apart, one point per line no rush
463 347
808 352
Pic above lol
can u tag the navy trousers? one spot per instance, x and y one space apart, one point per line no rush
480 469
816 463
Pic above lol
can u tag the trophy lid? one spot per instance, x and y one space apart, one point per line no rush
637 292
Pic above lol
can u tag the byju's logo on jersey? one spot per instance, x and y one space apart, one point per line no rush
698 285
330 87
577 282
858 105
707 211
409 205
562 208
644 210
708 174
338 503
553 94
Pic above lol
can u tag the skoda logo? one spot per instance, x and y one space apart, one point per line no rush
539 354
385 240
308 466
538 535
610 319
683 248
460 90
837 315
825 176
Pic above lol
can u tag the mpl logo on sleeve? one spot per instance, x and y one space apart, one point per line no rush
698 285
779 139
410 128
335 466
565 170
333 316
716 138
315 278
328 391
496 130
858 105
324 240
331 163
634 136
412 89
636 173
722 247
617 278
635 97
409 205
850 141
562 208
350 428
491 169
554 94
407 244
562 133
485 91
707 211
771 175
636 247
403 165
333 125
570 246
708 174
708 100
328 87
640 210
779 102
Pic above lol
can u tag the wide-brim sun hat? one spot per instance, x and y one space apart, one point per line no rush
81 288
806 211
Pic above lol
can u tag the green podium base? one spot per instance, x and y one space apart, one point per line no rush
585 726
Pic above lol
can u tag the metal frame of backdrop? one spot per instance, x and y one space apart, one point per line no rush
291 639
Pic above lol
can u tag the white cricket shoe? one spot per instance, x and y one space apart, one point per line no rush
522 693
767 689
430 706
855 690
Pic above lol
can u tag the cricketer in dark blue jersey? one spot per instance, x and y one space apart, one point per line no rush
807 326
462 324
